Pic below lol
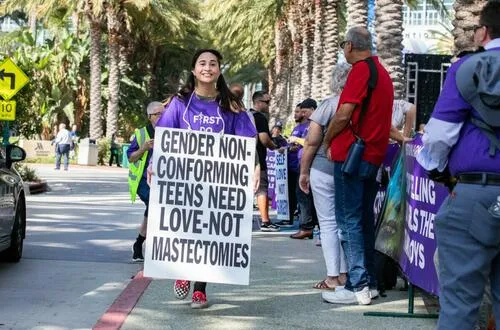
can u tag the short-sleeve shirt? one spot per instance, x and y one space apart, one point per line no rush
293 156
376 124
322 117
452 108
399 110
262 126
205 115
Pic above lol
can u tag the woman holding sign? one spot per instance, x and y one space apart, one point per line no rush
205 103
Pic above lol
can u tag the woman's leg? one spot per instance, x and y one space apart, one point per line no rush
322 186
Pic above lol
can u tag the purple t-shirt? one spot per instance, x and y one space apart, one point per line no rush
299 131
452 108
205 115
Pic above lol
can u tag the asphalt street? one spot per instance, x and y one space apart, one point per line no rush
77 253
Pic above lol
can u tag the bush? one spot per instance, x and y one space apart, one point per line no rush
27 173
103 150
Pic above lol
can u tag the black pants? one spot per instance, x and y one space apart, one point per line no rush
114 155
293 179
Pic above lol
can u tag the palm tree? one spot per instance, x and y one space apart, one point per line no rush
357 13
389 29
466 16
330 33
307 31
319 51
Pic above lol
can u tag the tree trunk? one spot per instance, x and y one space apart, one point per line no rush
318 57
114 72
357 13
279 100
76 23
95 79
389 29
330 36
307 58
32 24
295 31
466 16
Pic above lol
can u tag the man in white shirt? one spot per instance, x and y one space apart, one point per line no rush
63 145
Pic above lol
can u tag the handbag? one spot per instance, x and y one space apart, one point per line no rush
357 148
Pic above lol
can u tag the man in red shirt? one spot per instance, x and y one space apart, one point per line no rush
355 193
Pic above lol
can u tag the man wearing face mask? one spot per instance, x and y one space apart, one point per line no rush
139 153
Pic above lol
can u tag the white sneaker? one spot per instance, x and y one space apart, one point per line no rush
373 293
344 296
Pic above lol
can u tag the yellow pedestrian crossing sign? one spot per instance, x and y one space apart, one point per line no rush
12 79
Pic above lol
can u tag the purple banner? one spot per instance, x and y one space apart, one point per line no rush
423 199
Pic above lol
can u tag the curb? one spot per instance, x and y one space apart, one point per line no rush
117 313
31 188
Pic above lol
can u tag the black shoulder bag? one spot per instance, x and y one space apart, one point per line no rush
356 150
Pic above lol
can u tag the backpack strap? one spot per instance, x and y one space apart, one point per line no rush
372 83
490 134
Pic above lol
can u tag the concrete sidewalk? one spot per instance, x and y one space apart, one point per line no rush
280 296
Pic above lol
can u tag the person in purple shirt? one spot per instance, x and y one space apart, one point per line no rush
205 103
468 222
307 217
293 167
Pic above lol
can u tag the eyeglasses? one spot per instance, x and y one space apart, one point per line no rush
265 101
343 43
155 114
477 27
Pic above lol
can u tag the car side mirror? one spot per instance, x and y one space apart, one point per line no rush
14 154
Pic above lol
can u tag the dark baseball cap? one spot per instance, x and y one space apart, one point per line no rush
308 103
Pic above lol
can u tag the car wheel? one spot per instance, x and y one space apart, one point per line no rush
15 251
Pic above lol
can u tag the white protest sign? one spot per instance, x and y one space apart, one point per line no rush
281 189
200 207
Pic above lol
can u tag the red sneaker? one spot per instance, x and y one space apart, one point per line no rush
199 300
181 289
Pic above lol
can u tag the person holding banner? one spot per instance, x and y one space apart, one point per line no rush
205 103
293 168
139 154
462 141
356 141
316 172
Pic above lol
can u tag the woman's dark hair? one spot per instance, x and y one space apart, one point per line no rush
227 100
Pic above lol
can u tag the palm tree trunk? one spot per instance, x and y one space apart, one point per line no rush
279 100
357 13
307 25
389 29
319 52
295 31
466 16
330 36
114 72
95 79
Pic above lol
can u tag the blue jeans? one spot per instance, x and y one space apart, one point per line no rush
354 198
62 149
468 242
143 193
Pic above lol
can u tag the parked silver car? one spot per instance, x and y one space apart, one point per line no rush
12 205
